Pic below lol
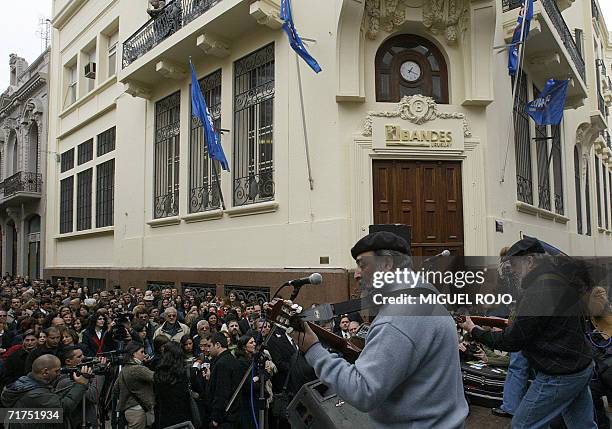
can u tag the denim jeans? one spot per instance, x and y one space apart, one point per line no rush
552 395
516 382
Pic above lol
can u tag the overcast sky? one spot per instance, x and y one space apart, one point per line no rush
20 31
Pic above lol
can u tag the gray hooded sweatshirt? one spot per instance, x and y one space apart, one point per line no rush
408 375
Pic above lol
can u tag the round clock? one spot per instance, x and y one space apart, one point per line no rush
410 71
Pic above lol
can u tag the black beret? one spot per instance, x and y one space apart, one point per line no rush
526 246
382 240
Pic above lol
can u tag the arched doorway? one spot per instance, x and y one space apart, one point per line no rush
11 251
33 149
33 235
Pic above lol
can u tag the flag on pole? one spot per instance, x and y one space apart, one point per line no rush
199 109
547 109
513 52
294 39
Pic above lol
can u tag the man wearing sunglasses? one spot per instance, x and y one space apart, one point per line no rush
172 328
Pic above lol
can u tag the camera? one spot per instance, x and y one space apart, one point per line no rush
98 369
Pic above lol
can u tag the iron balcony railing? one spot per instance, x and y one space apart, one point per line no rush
606 136
174 16
22 182
551 8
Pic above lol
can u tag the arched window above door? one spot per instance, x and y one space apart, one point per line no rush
410 65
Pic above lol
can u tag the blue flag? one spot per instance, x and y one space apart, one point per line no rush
294 39
199 109
547 109
513 51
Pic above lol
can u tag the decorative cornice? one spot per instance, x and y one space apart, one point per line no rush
448 17
417 109
23 93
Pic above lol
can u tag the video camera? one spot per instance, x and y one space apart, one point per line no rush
97 367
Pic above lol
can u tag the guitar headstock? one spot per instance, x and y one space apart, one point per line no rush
284 313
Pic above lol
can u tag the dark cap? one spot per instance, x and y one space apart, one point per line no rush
526 246
382 240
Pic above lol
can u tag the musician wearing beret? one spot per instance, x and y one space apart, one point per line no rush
548 330
408 374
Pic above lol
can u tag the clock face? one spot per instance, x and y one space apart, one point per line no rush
410 71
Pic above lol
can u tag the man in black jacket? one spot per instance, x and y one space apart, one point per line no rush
49 348
35 391
223 379
15 363
549 331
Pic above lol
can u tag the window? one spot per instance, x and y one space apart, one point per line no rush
203 178
557 169
409 65
95 285
112 53
66 200
587 196
67 160
85 152
541 142
598 189
604 175
253 163
84 199
91 78
71 85
106 141
166 157
522 143
105 193
578 192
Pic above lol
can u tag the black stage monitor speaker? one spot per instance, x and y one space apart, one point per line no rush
316 406
404 231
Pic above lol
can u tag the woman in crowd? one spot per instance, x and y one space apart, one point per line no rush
77 325
135 386
244 355
68 337
139 333
213 322
187 347
171 388
42 338
93 336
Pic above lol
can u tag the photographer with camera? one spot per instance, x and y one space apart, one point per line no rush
35 390
72 361
135 387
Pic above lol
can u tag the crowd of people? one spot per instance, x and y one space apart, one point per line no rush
183 354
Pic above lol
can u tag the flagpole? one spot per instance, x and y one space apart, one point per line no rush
216 174
299 75
521 51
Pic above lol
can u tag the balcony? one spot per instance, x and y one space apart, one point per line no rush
550 50
161 48
21 187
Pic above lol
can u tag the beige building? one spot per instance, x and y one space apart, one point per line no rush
411 121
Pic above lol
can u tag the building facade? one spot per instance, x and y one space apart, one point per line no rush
23 146
411 121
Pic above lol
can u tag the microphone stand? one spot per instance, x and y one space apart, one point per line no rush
257 357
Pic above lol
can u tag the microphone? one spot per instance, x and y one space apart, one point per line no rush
313 279
444 253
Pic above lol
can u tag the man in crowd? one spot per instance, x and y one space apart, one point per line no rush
15 363
549 332
202 329
50 347
343 327
408 374
172 328
353 327
223 379
71 357
35 390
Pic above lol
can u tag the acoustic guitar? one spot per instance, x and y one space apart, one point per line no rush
286 314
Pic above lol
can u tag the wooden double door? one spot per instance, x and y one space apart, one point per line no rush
425 195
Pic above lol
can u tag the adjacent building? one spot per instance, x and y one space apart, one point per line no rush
23 156
411 121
